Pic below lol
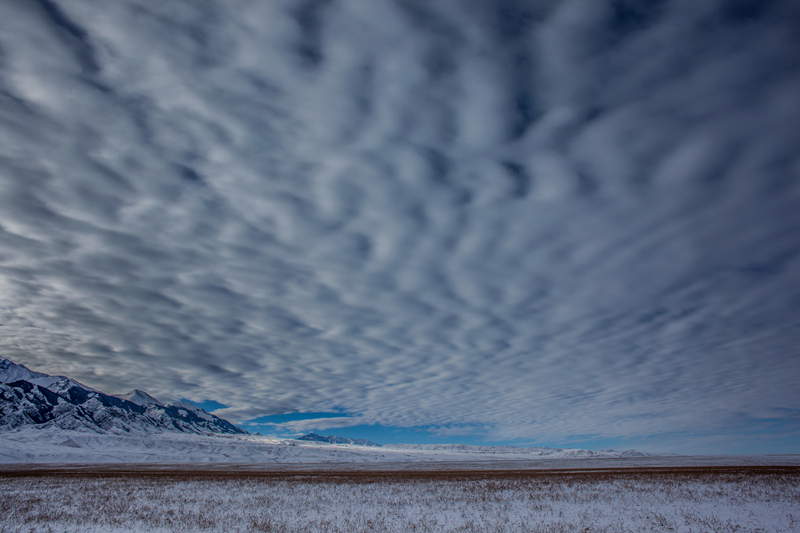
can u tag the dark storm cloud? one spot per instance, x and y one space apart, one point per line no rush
542 218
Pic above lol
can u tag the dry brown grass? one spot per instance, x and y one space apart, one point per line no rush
332 500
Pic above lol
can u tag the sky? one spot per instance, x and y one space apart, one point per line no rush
561 223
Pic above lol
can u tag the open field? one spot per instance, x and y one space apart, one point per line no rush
51 445
330 498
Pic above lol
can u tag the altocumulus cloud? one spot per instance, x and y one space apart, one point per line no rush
542 219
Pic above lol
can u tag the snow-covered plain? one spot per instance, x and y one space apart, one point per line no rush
428 501
33 444
69 481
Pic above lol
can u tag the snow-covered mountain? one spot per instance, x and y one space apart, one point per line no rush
467 449
46 418
29 398
140 397
333 439
11 372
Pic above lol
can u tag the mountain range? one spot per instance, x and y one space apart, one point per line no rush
29 398
39 411
470 449
332 439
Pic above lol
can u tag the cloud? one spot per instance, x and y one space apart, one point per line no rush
302 427
544 218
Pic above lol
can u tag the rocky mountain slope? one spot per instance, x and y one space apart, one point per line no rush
29 398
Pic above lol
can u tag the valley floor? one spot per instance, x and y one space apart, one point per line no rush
397 498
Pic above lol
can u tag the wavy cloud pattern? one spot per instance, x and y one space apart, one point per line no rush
542 219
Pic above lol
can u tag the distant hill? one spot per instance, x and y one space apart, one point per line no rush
29 398
313 437
515 450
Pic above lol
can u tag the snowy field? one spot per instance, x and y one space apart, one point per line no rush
336 499
55 445
65 481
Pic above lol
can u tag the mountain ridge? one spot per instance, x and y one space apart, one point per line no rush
29 398
333 439
139 397
515 450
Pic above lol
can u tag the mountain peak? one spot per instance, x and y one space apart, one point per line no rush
140 397
11 371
